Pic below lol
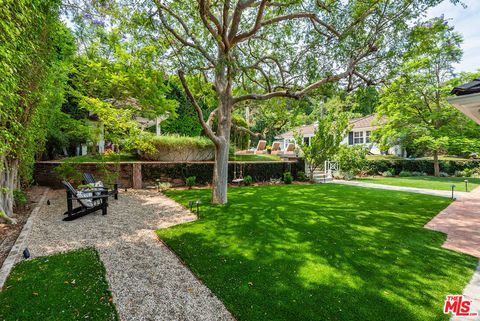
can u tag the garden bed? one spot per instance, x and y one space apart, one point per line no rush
10 232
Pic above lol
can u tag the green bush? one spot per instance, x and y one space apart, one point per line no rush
351 159
19 197
405 174
247 180
418 174
69 171
301 176
175 147
388 173
287 178
190 181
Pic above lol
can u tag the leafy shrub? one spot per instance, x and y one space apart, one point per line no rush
190 181
19 197
405 174
348 176
301 176
287 178
418 174
351 159
247 180
164 186
175 148
443 174
388 173
467 172
69 171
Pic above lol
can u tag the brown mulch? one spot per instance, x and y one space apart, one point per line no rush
10 232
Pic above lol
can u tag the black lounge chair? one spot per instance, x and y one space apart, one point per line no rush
88 178
87 205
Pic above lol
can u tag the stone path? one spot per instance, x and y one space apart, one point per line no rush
147 280
402 188
461 222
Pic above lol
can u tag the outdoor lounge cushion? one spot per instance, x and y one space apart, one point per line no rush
88 202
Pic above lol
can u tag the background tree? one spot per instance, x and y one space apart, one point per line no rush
414 103
326 140
259 50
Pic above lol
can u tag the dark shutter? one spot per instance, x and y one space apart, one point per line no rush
350 138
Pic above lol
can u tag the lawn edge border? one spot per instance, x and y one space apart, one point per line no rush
21 241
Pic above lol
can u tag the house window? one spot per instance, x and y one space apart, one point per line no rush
367 137
306 141
358 137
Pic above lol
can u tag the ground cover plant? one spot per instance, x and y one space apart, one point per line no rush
67 286
109 157
430 182
321 252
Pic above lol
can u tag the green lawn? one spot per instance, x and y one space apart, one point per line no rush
321 252
431 182
69 286
255 158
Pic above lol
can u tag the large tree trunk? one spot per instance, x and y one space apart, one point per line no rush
220 174
436 164
220 169
8 182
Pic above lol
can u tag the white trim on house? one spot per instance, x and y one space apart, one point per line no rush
468 105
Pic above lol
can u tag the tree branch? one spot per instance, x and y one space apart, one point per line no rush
246 130
208 130
300 93
194 44
256 26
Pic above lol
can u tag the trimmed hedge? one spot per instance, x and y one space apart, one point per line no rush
259 171
375 167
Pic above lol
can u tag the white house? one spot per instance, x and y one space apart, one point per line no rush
361 129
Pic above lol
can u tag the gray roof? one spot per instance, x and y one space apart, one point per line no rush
355 123
471 87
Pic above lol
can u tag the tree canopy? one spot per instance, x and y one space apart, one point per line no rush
414 104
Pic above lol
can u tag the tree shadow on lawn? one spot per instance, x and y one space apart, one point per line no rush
322 252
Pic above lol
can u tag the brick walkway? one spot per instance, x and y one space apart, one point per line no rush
461 222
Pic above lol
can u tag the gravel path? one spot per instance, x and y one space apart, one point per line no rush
148 282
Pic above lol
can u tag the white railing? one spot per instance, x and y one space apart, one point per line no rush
330 167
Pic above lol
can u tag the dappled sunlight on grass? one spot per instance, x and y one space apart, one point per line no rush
321 252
